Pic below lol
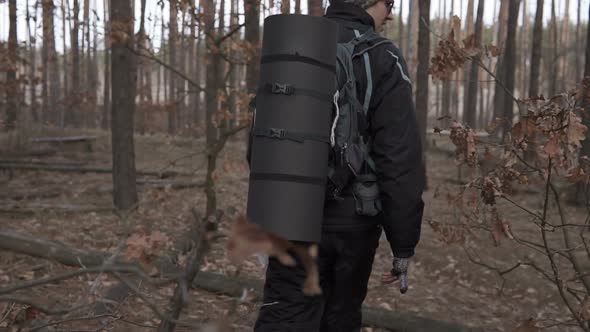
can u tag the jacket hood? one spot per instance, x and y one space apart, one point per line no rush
340 10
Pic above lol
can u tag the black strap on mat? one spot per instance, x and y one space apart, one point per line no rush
297 58
278 133
289 90
288 178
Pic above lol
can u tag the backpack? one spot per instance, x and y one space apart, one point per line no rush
349 163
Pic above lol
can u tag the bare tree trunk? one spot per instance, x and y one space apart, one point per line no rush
536 51
106 100
412 38
191 62
12 93
422 82
400 23
181 85
314 7
33 62
252 35
51 86
469 110
213 69
285 6
579 45
87 57
554 60
141 69
509 61
173 32
581 188
76 86
502 24
66 88
564 47
124 86
524 46
233 67
502 31
93 69
165 60
297 6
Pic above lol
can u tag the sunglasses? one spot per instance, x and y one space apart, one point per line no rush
389 4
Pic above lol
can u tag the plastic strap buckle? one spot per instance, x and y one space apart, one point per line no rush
277 133
284 89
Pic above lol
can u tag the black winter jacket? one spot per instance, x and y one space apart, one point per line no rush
395 148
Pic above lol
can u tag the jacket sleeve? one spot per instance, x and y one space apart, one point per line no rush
397 151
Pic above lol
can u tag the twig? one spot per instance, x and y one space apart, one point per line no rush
151 305
68 275
44 309
554 268
75 319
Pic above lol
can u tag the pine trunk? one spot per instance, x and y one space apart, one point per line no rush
509 61
536 51
106 99
554 60
124 89
422 81
33 64
252 35
470 107
315 7
12 93
51 81
173 32
74 101
66 88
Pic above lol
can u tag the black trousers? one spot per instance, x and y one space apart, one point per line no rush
345 261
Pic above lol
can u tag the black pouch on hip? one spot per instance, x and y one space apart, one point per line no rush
366 195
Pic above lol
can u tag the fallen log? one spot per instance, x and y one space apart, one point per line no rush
80 169
217 283
25 195
62 208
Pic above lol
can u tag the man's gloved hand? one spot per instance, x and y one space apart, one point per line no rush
398 272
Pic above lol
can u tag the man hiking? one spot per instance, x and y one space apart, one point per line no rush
350 230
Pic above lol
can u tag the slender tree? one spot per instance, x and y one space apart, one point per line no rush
400 24
51 82
285 6
32 61
123 105
12 94
564 38
315 7
106 98
523 49
66 87
172 39
536 51
422 83
74 101
554 59
579 45
509 61
581 188
469 110
252 35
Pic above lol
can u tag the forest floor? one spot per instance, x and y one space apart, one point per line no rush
444 283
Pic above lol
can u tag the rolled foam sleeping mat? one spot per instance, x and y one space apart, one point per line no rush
291 132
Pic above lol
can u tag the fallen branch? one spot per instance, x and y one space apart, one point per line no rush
60 167
195 259
62 208
222 284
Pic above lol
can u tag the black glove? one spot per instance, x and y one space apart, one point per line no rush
398 272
